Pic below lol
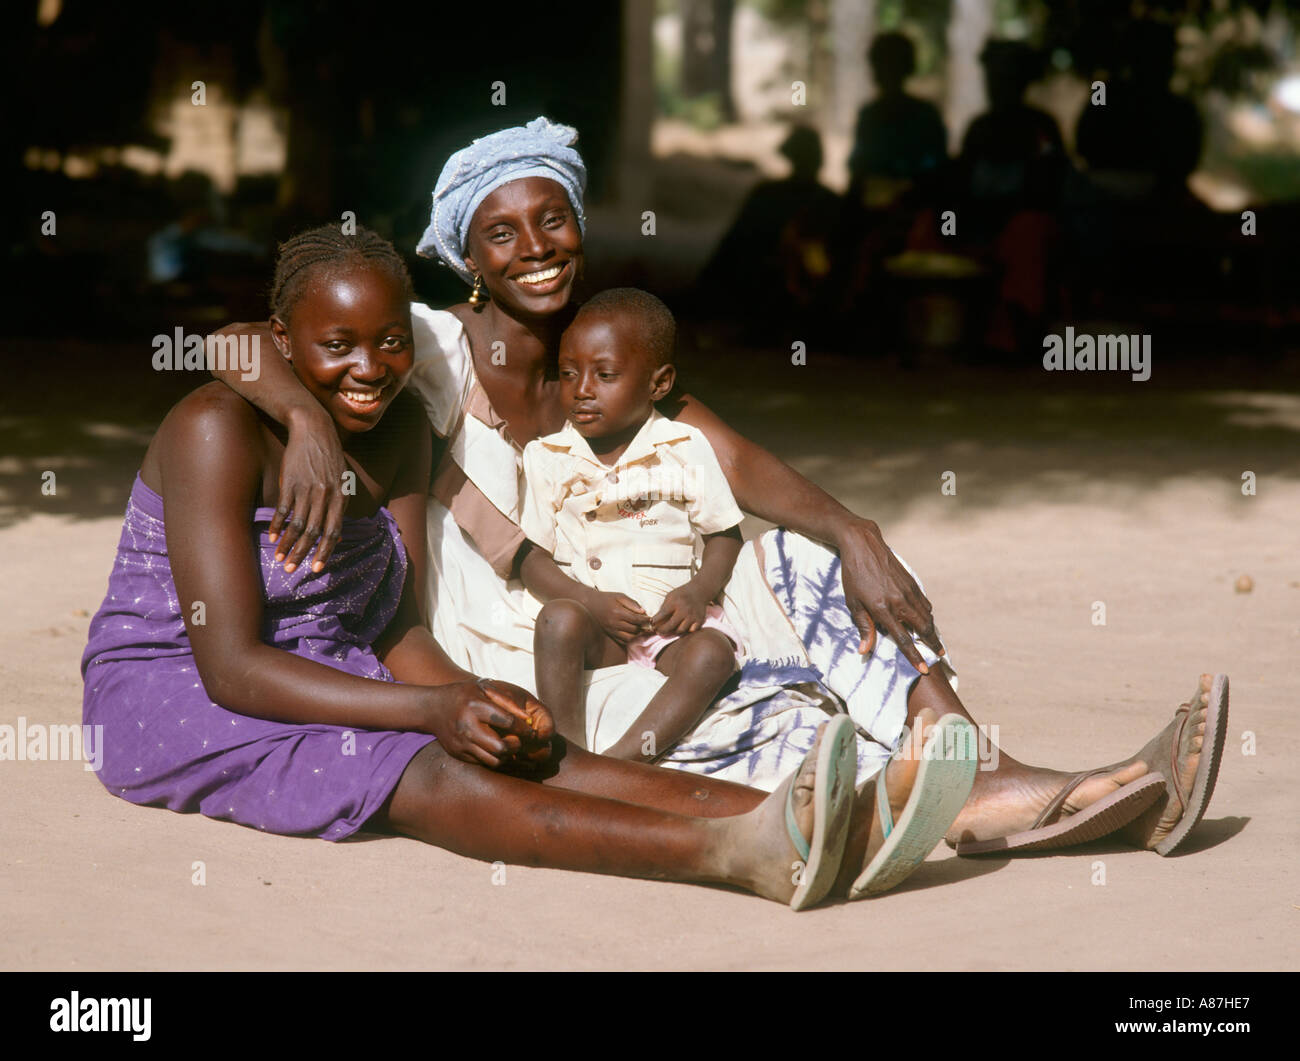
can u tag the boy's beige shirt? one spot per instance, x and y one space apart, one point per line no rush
636 526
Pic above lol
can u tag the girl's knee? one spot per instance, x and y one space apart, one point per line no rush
434 786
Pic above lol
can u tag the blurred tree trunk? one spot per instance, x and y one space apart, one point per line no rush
853 24
322 111
706 51
821 63
636 107
971 26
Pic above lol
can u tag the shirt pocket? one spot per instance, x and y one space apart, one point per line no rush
659 569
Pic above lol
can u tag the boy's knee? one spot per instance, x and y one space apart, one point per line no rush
711 652
563 622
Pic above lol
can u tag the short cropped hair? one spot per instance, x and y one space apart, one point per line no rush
654 319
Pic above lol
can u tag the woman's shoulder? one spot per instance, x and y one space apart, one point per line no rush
212 410
441 330
211 422
443 368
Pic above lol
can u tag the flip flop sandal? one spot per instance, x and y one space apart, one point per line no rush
833 793
938 795
1193 803
1096 820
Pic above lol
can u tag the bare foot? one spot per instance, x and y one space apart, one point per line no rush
1151 827
763 857
866 835
1007 803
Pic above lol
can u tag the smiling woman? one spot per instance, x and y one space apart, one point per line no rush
532 273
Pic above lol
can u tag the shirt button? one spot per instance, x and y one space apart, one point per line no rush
612 477
594 563
591 515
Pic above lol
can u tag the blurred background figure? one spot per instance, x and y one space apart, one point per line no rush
774 264
1131 215
142 202
192 251
1012 158
1005 192
898 138
1145 141
900 151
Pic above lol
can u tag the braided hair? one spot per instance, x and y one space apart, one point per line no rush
328 247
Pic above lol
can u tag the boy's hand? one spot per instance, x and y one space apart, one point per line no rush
682 612
618 615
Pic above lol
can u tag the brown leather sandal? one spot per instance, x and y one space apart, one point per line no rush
1191 803
1091 823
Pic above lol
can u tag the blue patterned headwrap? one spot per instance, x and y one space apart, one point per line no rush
539 149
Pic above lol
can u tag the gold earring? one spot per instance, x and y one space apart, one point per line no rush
477 297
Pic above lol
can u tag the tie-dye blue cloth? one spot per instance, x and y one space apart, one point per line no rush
779 704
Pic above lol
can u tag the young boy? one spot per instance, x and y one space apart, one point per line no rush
615 505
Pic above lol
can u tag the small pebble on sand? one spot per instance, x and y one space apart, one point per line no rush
1245 584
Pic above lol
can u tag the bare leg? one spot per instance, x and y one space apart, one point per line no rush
676 791
697 665
691 794
1003 801
567 641
865 833
489 815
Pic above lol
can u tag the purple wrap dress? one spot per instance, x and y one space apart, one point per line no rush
167 744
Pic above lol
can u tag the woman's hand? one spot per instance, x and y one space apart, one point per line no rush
311 491
490 723
882 595
311 471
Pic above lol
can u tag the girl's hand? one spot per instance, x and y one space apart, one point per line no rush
882 595
528 735
311 492
488 722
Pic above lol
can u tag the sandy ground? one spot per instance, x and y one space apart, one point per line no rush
1068 493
